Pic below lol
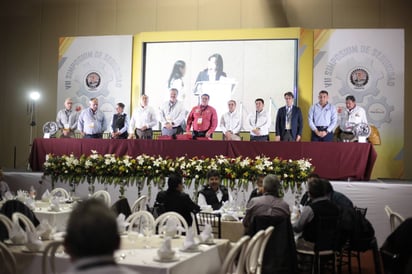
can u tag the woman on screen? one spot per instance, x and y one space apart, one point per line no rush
176 77
214 70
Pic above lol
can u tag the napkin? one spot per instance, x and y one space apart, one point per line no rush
45 230
165 251
8 196
30 203
45 197
21 196
189 242
121 223
17 234
171 227
33 242
206 235
55 204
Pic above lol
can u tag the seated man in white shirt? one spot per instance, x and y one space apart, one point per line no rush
91 239
213 194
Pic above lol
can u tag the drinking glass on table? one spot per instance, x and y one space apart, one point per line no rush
33 193
147 233
132 236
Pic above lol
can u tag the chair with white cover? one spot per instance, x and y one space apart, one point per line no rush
253 251
20 218
8 224
7 260
49 255
395 219
228 265
162 220
139 219
139 204
104 196
60 192
268 233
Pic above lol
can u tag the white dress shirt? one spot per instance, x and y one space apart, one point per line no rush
143 116
231 121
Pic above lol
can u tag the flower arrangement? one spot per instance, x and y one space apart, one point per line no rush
126 170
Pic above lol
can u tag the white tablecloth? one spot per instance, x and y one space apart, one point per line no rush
207 261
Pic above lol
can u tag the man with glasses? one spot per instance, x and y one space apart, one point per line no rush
92 122
66 119
203 118
289 121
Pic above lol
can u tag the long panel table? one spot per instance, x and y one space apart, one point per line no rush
334 161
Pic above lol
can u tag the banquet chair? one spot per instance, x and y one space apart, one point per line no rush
5 227
252 252
7 260
23 221
104 196
266 237
60 192
49 255
12 206
325 245
228 265
162 220
395 219
139 204
213 219
141 218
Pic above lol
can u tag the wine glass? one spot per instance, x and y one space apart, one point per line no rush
33 193
132 236
147 233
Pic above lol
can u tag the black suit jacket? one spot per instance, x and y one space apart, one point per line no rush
296 122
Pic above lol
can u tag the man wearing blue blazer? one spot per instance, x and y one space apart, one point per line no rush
289 122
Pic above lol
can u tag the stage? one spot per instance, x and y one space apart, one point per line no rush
332 160
372 194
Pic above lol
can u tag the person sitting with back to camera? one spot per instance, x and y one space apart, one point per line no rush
91 239
174 199
213 194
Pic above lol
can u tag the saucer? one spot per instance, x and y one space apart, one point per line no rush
190 250
173 259
9 242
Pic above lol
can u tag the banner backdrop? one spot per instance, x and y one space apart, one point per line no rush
369 64
95 66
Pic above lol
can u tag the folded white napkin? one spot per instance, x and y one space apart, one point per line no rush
55 204
45 230
189 243
21 196
121 223
206 235
45 197
165 251
8 196
17 234
171 227
33 241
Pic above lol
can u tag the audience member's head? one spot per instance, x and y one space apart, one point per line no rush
327 186
174 182
91 231
316 188
271 185
213 177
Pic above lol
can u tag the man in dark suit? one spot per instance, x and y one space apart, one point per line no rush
289 122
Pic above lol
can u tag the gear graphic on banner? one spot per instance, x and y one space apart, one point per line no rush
378 111
93 78
359 78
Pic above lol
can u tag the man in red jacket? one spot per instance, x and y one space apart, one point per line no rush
203 118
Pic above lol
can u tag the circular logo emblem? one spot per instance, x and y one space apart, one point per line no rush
93 80
359 77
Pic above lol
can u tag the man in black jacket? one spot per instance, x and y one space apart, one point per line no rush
213 194
174 199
